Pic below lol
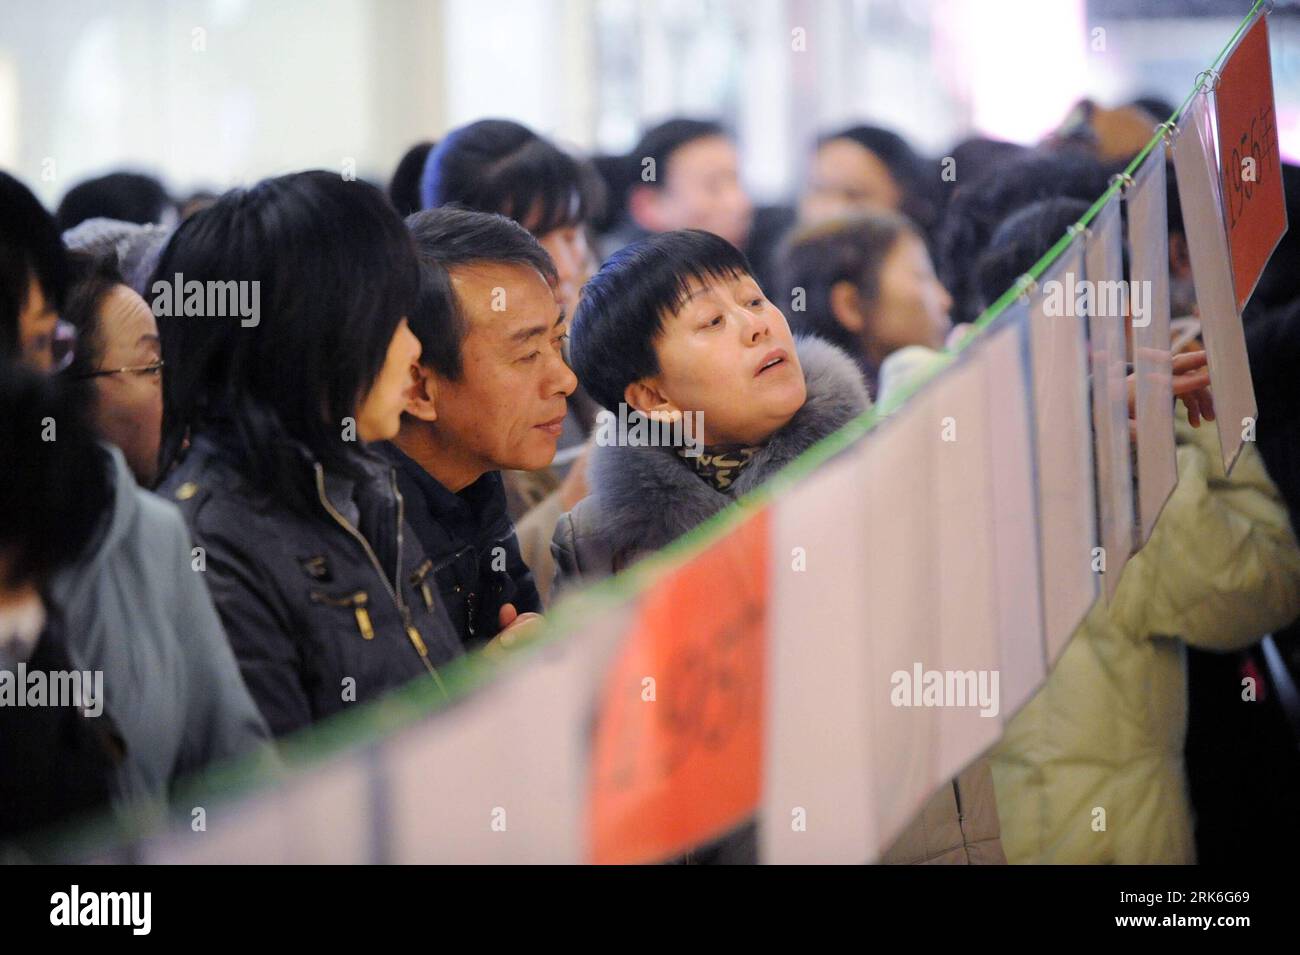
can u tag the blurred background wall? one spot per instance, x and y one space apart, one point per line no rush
211 93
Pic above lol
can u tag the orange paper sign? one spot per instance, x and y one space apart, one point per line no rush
1251 166
679 735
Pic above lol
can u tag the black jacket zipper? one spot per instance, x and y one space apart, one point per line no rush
411 632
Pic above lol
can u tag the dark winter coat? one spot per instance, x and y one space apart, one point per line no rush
321 613
471 552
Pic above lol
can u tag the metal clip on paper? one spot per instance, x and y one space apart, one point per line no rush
1026 286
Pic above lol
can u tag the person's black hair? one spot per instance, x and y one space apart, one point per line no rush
56 488
981 205
126 196
661 141
1157 106
404 187
449 238
916 178
497 165
617 176
1020 241
847 249
337 273
91 278
973 159
623 306
1279 283
29 246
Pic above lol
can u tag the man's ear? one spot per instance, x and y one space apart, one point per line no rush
422 396
643 207
847 306
646 397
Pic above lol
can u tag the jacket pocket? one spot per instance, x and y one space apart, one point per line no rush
357 602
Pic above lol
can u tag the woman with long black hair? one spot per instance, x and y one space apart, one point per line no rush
299 357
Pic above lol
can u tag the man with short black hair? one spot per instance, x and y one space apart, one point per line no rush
688 177
490 395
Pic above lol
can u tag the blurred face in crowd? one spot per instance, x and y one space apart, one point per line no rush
567 247
911 308
507 408
128 410
728 354
36 323
701 189
846 177
379 414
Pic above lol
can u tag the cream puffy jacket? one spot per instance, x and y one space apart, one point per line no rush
1091 770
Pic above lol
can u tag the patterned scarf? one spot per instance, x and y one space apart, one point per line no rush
720 465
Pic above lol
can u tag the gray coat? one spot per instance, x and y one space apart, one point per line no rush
135 610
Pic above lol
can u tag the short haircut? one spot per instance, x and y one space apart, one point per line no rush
661 141
29 247
404 187
91 279
1020 241
126 196
623 306
337 273
55 494
497 165
848 249
981 204
450 238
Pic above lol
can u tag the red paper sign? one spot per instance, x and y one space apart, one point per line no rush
678 742
1251 166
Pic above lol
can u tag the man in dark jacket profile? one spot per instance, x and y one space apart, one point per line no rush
493 380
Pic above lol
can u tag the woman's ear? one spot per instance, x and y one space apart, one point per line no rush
847 306
422 396
646 397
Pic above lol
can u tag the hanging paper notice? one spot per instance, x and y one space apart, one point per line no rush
1250 165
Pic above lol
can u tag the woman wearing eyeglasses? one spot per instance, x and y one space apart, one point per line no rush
118 350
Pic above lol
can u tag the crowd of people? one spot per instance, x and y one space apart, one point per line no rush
366 445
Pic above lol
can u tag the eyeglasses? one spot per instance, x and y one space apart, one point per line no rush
153 370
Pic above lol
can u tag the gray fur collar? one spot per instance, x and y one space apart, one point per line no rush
645 497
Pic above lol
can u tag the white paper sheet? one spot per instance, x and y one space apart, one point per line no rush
1207 245
1148 239
902 612
320 816
965 570
1104 267
818 797
502 777
1015 511
1063 450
